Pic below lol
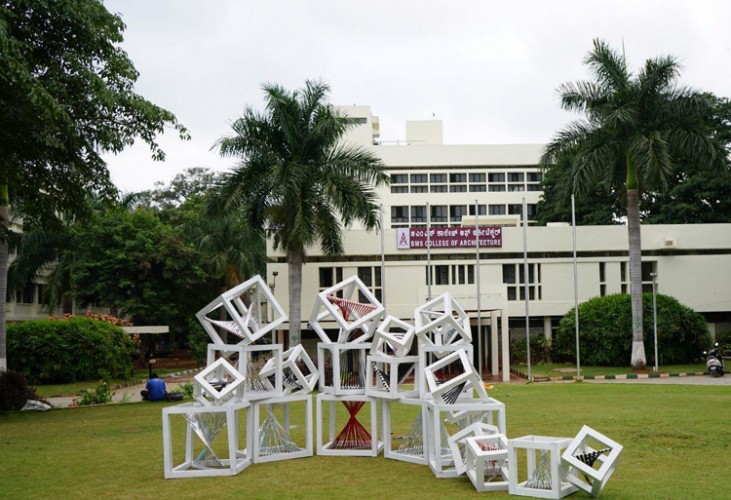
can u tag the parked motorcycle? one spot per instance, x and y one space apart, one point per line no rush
714 361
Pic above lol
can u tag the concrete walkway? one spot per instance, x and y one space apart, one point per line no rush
129 394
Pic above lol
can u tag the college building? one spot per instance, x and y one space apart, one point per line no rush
453 189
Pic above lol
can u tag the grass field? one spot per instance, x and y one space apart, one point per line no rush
676 440
74 388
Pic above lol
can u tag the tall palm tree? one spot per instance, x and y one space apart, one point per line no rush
634 127
297 181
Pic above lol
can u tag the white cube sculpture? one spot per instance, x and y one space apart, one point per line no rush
205 423
271 439
442 321
233 353
356 321
546 474
265 358
457 442
486 462
448 390
439 455
342 367
219 383
385 377
429 354
248 322
354 439
393 337
412 446
591 467
299 373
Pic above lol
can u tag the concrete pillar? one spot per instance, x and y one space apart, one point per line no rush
494 355
547 327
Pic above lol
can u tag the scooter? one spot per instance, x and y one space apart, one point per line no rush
714 361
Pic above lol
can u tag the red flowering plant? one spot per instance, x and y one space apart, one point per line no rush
106 318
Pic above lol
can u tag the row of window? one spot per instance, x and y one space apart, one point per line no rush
405 215
31 294
462 182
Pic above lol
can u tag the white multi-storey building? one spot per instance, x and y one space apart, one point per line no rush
459 186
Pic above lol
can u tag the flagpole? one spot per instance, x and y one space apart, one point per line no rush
479 297
525 285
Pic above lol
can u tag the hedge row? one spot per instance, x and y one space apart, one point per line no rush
605 325
57 351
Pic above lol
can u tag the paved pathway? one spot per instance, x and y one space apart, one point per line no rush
688 380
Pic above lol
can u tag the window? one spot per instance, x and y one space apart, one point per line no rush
515 209
26 295
399 215
497 177
441 275
439 213
492 188
602 279
420 189
457 189
477 188
371 278
648 268
515 176
438 178
399 189
419 178
534 177
458 178
516 187
399 179
330 276
477 177
418 214
439 188
481 209
456 274
516 291
497 209
534 187
456 212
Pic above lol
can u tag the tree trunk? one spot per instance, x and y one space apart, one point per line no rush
4 226
294 264
639 361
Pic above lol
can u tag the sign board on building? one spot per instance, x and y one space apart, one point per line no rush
448 237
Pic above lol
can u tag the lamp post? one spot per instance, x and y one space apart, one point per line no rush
654 315
274 285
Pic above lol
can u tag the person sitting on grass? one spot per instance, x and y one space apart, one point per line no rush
154 390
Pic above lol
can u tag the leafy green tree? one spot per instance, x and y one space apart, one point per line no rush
297 182
635 125
66 91
136 264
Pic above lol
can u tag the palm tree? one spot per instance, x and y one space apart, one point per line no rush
297 181
634 128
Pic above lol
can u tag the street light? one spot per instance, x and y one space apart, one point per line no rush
654 314
274 280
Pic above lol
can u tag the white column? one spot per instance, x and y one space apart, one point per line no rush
506 345
494 343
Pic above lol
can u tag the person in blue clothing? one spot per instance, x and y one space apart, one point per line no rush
154 390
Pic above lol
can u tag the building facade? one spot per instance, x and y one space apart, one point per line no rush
453 188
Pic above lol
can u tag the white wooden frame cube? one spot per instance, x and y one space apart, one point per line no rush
393 337
395 453
442 316
328 418
220 370
389 368
593 479
495 458
226 351
258 385
298 382
238 457
305 449
439 455
533 446
457 441
324 310
425 359
336 385
248 322
469 377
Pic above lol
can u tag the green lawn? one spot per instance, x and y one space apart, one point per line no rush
568 369
676 445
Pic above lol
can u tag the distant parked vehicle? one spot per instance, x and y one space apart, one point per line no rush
714 361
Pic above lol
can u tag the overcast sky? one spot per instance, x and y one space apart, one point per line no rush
488 69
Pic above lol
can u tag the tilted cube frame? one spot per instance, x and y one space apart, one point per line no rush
537 448
586 477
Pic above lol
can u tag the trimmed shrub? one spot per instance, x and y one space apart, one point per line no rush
14 391
724 339
605 325
53 351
